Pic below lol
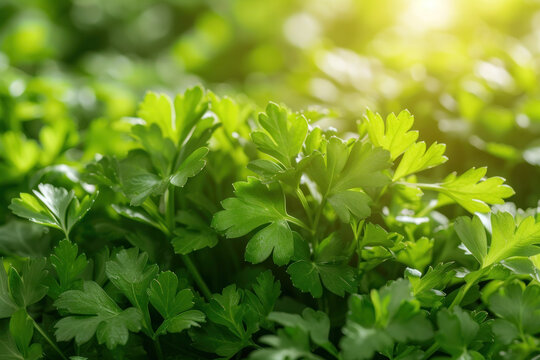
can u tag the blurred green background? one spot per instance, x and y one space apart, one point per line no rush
468 71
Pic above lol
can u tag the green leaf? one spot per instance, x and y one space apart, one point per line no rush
160 149
314 323
262 299
231 323
190 167
68 265
350 203
139 183
388 316
520 307
473 235
282 134
52 206
7 305
288 344
157 109
214 339
102 172
138 215
21 328
19 153
276 237
428 288
24 239
255 205
183 321
471 191
416 254
417 159
8 348
27 287
172 305
189 108
393 136
507 240
94 312
129 272
307 276
345 171
194 236
361 343
225 309
457 330
375 235
334 249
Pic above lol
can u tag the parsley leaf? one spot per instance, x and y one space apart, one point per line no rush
416 159
517 309
265 293
393 136
68 266
173 306
376 323
507 240
52 206
314 323
94 312
226 311
27 286
7 305
471 191
21 328
282 134
457 331
344 171
307 276
129 272
8 347
256 204
287 344
190 167
22 238
195 234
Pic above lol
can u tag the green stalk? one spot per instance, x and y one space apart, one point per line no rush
197 276
298 222
169 216
316 221
170 213
148 330
305 204
48 339
157 345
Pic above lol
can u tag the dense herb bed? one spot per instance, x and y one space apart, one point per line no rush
221 234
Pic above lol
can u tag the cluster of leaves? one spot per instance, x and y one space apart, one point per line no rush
347 254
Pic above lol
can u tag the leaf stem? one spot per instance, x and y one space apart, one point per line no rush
169 218
197 276
435 187
169 214
305 204
317 219
157 345
298 222
48 339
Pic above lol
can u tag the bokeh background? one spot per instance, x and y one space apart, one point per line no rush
70 70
